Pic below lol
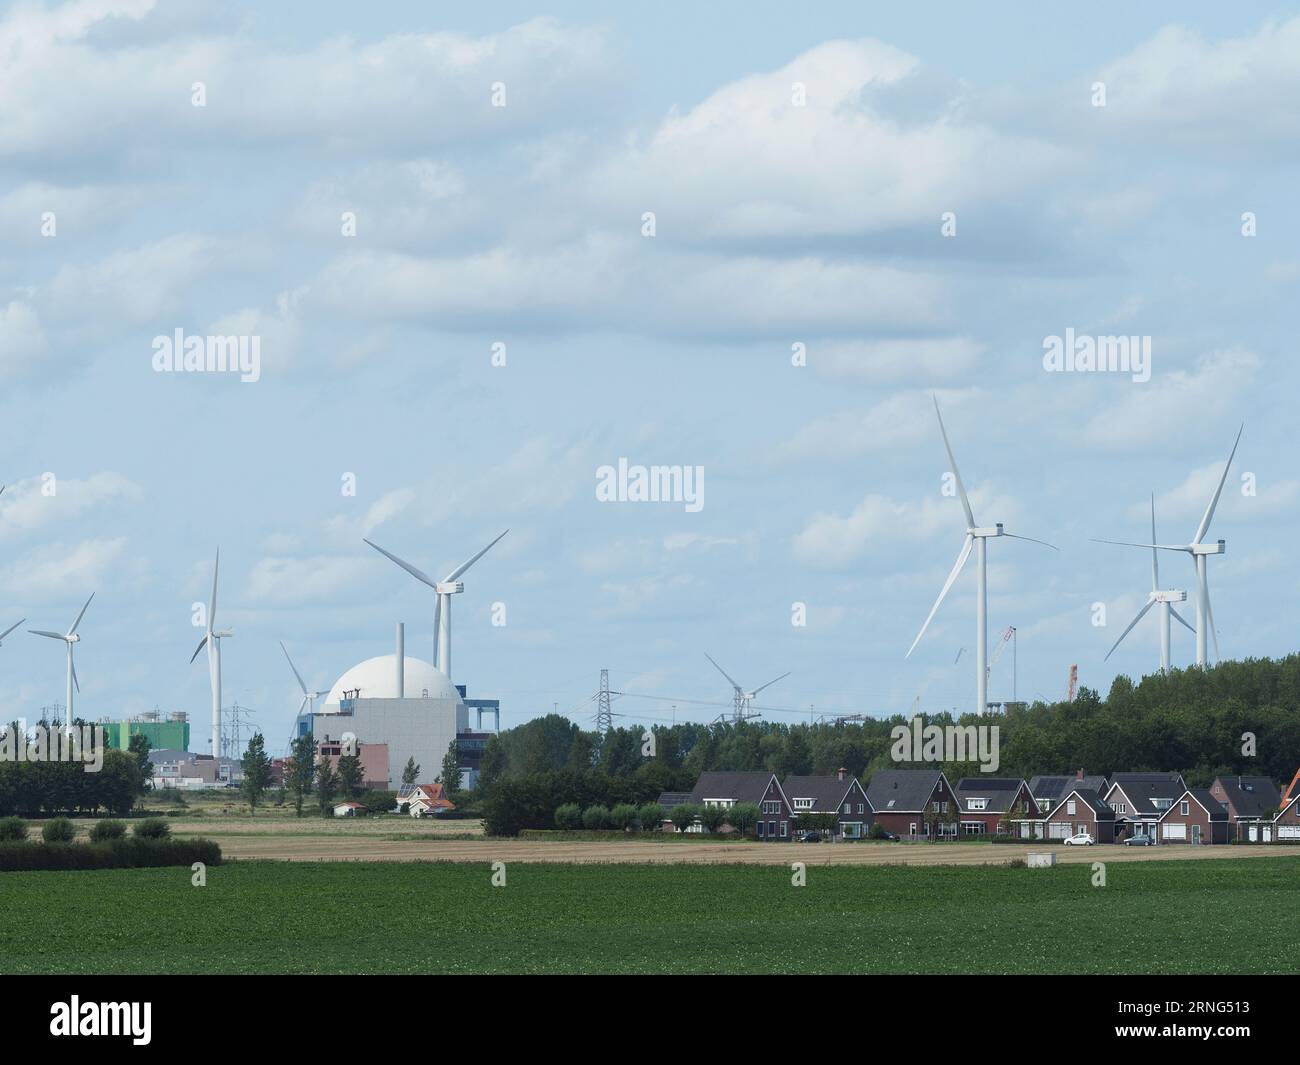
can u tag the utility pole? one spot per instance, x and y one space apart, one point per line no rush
604 712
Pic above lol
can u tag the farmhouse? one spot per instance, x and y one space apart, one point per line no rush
907 801
1251 802
988 805
840 794
1082 811
424 800
1050 790
763 790
1195 817
1141 799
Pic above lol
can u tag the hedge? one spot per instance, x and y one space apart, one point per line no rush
132 853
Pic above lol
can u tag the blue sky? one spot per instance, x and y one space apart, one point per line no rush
775 225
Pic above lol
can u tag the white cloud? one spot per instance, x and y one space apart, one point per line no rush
898 359
26 507
22 340
58 569
286 581
899 421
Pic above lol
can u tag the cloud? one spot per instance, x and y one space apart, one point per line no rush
58 569
321 578
896 359
28 506
22 341
899 421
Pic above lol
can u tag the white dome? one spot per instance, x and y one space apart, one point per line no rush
376 678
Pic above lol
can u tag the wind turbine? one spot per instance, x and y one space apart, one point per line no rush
446 588
70 638
1199 550
743 699
1164 596
308 697
212 640
16 623
977 536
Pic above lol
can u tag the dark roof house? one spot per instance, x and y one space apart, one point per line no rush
1052 789
1247 798
727 789
903 790
1144 795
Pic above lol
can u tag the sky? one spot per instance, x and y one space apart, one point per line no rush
855 212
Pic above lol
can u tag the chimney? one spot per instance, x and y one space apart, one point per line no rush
1080 775
843 772
401 660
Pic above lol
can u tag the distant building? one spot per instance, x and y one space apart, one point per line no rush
171 732
424 800
350 809
184 769
374 761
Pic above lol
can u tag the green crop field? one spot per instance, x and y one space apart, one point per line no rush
1226 916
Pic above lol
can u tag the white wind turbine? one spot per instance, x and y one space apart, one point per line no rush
70 638
308 697
446 588
743 699
1199 550
14 625
212 638
1166 597
975 535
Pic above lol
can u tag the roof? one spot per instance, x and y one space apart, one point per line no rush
1053 788
738 787
1250 796
431 794
1292 789
826 792
1216 809
902 790
350 805
1000 792
1142 789
1101 812
669 799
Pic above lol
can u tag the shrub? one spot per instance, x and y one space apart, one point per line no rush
102 831
568 817
152 828
743 816
595 818
58 830
650 817
684 815
713 818
623 816
124 853
12 830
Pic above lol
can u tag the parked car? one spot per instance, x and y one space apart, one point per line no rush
1139 841
810 837
885 837
1081 839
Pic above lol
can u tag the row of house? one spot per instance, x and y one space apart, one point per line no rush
922 804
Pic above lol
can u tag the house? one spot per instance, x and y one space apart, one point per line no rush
350 809
1081 811
424 800
1195 817
1286 825
839 794
763 790
1251 802
907 801
1292 789
989 805
1050 790
1141 799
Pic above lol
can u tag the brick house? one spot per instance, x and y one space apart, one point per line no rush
763 790
1141 799
1081 811
1196 817
989 805
906 801
1251 802
1049 790
839 794
1286 826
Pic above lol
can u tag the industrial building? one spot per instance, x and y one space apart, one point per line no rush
169 732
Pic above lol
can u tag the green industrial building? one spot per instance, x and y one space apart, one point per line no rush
172 734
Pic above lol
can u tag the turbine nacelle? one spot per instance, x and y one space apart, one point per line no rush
988 532
1218 548
449 587
1172 596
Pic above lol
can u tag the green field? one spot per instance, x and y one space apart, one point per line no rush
1159 917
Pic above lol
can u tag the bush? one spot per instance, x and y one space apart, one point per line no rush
12 830
623 816
58 830
595 818
568 817
124 853
379 802
152 828
713 818
650 817
743 817
684 815
103 831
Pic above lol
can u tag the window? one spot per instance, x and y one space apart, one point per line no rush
1069 807
977 804
1185 808
848 807
912 829
760 830
861 808
1119 807
785 829
771 828
803 804
974 828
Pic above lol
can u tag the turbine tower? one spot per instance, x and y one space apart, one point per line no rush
1166 597
743 700
1200 551
212 638
977 536
70 638
308 697
446 588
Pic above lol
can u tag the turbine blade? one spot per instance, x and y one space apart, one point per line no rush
295 670
1204 527
460 571
1209 620
722 671
72 630
437 638
1140 615
417 574
952 577
1146 547
1181 619
301 707
11 628
956 474
768 685
1044 543
202 643
73 666
212 603
51 635
1155 555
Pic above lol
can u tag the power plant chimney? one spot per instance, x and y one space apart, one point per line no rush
401 660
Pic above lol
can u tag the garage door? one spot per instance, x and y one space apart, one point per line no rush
1174 831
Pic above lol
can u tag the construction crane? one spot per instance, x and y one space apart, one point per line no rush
1008 637
1074 684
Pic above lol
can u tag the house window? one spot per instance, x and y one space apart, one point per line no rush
974 828
1069 807
1119 807
785 829
976 804
1185 808
848 807
861 809
912 829
760 830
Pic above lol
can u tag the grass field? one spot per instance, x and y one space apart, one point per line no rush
1228 916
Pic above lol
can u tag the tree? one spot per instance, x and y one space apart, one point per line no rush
743 816
683 816
411 774
623 816
595 818
257 771
348 775
139 746
568 818
325 785
713 818
451 769
301 770
650 817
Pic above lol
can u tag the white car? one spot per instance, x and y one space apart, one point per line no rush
1081 840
